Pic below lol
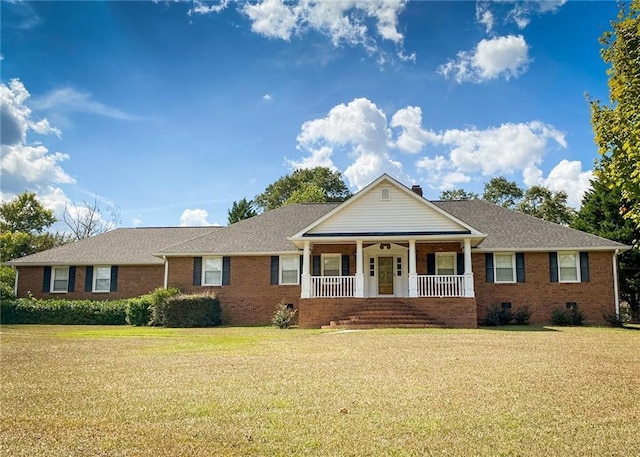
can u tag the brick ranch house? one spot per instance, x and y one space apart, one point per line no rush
385 256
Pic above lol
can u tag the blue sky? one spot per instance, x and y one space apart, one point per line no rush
167 112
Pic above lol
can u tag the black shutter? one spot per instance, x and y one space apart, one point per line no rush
300 270
553 266
88 279
226 271
316 265
46 280
460 263
71 286
488 266
197 271
275 267
431 264
345 265
114 279
520 266
584 267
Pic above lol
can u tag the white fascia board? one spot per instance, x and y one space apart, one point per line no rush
230 254
85 264
382 238
554 249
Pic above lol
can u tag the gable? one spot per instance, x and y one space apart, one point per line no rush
387 208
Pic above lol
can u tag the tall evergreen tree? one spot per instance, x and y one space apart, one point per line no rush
240 210
600 215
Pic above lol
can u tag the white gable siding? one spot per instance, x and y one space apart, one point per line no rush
401 213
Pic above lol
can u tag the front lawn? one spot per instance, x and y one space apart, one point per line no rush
127 391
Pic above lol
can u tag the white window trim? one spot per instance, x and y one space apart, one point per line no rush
95 279
280 263
513 268
448 254
576 256
204 271
324 256
53 278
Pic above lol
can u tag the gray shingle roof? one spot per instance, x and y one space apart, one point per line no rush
265 233
123 246
507 229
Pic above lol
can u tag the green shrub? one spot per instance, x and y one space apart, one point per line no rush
7 282
158 299
139 310
567 316
497 315
522 315
58 311
615 320
200 310
283 315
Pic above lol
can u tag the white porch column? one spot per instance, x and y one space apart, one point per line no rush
413 276
306 277
359 292
468 271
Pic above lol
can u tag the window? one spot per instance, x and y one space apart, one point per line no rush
60 279
568 267
101 279
445 263
331 264
399 266
385 194
372 267
505 266
212 271
289 269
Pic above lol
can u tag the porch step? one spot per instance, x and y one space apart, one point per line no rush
385 314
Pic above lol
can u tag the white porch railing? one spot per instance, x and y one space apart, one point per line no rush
441 286
333 286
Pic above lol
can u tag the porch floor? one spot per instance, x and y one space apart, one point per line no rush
385 313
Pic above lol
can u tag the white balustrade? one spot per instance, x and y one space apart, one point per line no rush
333 286
441 285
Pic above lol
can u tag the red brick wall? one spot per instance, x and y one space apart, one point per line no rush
453 312
249 299
542 296
132 281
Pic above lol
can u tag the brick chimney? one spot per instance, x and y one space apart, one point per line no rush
417 189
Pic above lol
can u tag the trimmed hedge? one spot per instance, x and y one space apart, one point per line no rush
190 311
57 311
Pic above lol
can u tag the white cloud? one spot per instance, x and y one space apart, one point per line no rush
68 100
267 97
567 176
484 16
505 56
136 221
27 166
205 8
360 131
192 217
344 22
506 149
413 137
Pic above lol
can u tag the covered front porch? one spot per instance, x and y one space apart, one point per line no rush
386 269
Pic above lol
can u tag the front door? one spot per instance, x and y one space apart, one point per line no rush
385 275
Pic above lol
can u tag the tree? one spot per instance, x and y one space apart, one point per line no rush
23 221
306 193
240 210
86 220
25 214
546 204
502 192
330 182
458 194
617 126
600 215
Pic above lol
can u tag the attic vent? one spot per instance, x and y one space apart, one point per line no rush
385 194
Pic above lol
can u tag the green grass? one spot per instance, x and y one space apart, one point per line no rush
126 391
